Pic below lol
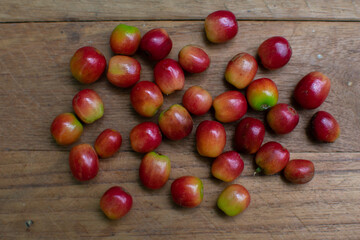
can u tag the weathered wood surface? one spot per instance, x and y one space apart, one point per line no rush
89 10
36 183
36 84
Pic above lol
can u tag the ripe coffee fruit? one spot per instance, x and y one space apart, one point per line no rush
66 129
156 43
193 59
299 171
221 26
324 127
227 166
312 90
108 143
241 70
210 138
229 106
282 118
275 52
123 71
249 135
84 162
116 203
169 76
145 137
146 98
262 94
271 158
175 122
87 64
125 39
154 170
88 106
197 100
233 200
187 191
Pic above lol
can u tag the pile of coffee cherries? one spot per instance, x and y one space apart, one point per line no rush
88 64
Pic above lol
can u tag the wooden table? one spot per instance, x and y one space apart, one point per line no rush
37 40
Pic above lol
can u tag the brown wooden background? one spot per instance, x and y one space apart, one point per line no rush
37 40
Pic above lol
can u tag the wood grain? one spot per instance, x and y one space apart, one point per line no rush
36 84
36 184
89 10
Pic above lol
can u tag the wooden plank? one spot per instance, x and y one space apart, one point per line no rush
38 186
36 84
72 10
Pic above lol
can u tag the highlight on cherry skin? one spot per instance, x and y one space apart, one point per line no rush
116 203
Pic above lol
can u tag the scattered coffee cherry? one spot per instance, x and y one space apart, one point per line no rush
275 52
233 200
193 59
299 171
66 129
210 138
88 106
146 98
227 166
262 94
197 100
87 64
230 106
187 191
271 158
249 135
175 122
312 90
108 143
241 70
84 162
125 39
282 118
156 43
123 71
145 137
169 76
324 127
154 170
116 203
221 26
